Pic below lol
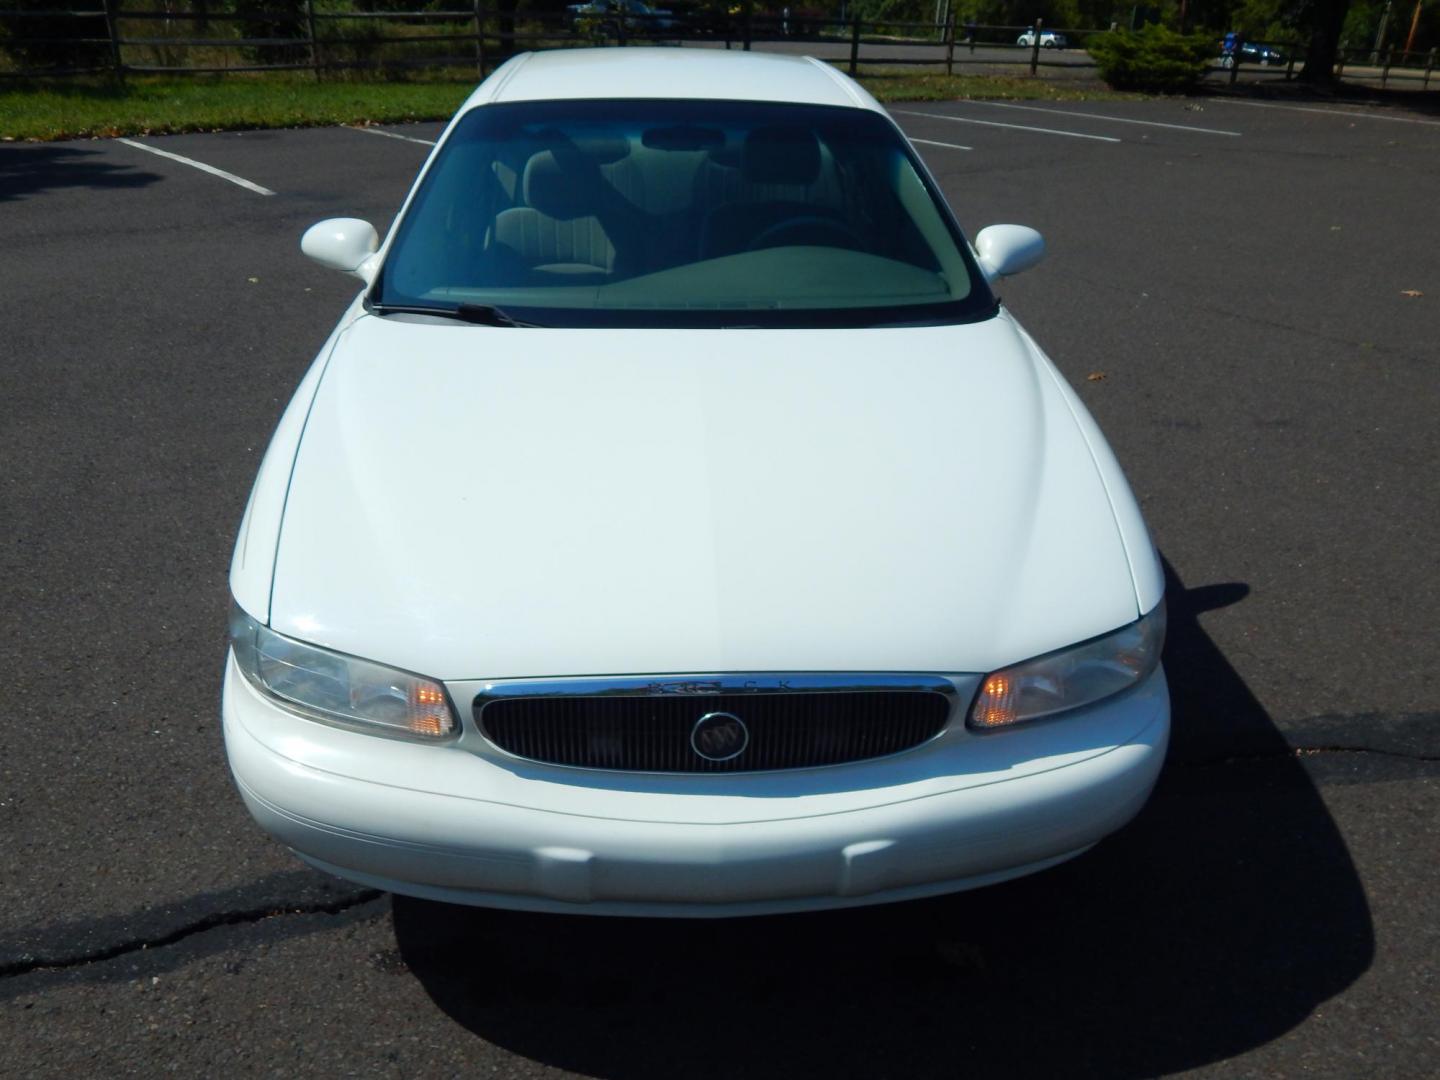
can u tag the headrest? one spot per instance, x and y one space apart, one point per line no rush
781 155
547 189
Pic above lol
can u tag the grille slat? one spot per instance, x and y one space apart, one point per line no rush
641 733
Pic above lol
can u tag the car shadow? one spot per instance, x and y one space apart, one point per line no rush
1214 923
27 170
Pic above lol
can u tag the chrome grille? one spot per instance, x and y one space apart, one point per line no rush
640 731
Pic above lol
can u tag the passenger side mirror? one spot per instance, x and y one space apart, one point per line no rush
1007 249
347 244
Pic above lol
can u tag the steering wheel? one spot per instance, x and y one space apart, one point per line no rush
803 223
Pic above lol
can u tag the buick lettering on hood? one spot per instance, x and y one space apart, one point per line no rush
677 524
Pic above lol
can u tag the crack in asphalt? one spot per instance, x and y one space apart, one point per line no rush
30 965
1291 752
251 916
1128 291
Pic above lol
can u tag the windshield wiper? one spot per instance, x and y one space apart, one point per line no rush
480 314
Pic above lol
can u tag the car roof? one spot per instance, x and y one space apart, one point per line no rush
670 73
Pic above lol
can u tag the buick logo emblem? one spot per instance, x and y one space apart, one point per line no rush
719 736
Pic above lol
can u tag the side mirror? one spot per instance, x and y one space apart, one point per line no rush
1007 249
347 244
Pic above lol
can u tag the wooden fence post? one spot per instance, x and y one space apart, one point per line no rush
1035 47
314 45
112 31
854 45
950 44
746 14
480 38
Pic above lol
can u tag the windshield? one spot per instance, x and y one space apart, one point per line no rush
681 213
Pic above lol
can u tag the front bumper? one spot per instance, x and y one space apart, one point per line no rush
953 815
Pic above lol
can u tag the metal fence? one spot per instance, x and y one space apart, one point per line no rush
115 41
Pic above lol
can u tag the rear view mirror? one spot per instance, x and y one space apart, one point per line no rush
347 244
1007 249
683 137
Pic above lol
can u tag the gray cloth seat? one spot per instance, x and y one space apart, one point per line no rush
558 230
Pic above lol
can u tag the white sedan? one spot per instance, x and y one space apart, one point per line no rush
675 523
1049 39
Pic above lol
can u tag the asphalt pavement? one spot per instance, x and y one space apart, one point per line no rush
1244 294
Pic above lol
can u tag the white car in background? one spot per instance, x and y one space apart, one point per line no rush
1049 39
676 523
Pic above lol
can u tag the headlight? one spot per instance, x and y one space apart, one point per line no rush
1070 678
339 689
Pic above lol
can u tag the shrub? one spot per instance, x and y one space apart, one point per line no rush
59 41
273 19
1153 58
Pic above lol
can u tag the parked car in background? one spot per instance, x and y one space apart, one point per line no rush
1251 53
676 523
610 16
1049 39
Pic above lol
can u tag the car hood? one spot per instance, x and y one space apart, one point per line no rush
478 502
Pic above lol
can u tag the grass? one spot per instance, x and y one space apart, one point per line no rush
159 105
907 84
166 105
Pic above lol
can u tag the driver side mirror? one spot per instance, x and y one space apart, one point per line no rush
347 244
1007 249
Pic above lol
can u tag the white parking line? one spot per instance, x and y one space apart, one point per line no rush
993 123
393 135
1109 119
946 145
1353 114
201 166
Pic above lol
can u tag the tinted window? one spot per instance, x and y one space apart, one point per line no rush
682 213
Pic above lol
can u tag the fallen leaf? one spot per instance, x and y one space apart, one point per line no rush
1334 228
253 280
1411 292
1095 376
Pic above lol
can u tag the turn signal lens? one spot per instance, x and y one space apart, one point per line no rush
1071 678
339 689
995 706
429 711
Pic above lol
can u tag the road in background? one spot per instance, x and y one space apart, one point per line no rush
1251 317
1069 63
